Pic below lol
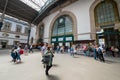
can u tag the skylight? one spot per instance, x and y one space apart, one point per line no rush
35 4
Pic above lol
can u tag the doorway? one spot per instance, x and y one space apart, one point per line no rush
110 36
4 44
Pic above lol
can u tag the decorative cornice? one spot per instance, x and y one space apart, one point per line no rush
12 32
15 20
12 38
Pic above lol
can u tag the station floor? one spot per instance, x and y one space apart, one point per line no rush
64 67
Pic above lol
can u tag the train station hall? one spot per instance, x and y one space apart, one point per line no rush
59 39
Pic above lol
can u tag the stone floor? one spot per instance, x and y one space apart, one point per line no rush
64 67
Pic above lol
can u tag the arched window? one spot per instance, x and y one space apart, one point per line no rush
32 40
106 13
62 26
41 32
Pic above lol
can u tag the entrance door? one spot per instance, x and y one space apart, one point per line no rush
4 44
111 37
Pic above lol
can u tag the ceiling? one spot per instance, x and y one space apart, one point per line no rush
18 9
35 4
22 11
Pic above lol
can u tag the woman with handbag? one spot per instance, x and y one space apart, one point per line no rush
47 60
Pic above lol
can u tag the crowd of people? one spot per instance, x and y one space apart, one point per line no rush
18 50
47 52
87 48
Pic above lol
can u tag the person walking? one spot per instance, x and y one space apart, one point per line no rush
12 53
31 49
100 53
47 60
18 53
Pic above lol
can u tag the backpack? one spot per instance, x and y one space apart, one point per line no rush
21 51
99 51
46 58
71 49
15 47
90 49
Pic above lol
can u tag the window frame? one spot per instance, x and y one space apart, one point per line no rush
18 28
26 30
115 12
4 27
62 26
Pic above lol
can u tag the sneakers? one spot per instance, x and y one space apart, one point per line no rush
47 74
44 66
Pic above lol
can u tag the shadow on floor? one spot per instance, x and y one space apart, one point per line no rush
52 77
110 62
76 57
18 63
55 65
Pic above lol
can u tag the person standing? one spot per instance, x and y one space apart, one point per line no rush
43 49
26 49
31 49
116 51
113 51
62 49
95 52
58 49
85 49
72 51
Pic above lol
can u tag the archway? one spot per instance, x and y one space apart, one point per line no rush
63 29
40 33
104 17
74 23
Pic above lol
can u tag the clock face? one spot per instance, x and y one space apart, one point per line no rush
61 20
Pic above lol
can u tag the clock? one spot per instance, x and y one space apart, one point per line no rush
61 20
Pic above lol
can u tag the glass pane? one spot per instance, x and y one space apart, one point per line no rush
68 24
35 4
61 31
62 26
55 29
105 13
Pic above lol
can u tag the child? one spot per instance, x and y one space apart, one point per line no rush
13 55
